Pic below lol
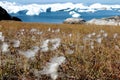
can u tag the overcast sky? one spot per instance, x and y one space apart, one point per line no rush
63 1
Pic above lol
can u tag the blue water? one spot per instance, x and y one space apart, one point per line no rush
60 16
45 17
57 13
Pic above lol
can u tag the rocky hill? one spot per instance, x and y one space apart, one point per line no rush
114 20
74 21
5 16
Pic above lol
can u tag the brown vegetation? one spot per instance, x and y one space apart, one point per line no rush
87 56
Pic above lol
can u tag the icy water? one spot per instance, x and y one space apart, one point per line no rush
58 12
60 16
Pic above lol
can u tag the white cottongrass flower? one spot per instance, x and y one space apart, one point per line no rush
70 35
93 34
89 35
87 38
33 30
5 47
22 31
99 40
57 30
99 35
49 29
117 47
53 31
33 38
102 31
1 37
92 45
105 35
16 43
55 43
39 32
0 34
30 53
115 35
44 47
52 67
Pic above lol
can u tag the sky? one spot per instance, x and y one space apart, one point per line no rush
64 1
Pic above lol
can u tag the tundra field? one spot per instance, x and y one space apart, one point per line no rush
37 51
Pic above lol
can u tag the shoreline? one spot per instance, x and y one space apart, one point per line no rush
43 23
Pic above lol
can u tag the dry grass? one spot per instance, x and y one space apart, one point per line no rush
82 62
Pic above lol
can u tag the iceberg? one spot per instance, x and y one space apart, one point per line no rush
36 9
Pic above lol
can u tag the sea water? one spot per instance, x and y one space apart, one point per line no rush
58 12
60 16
